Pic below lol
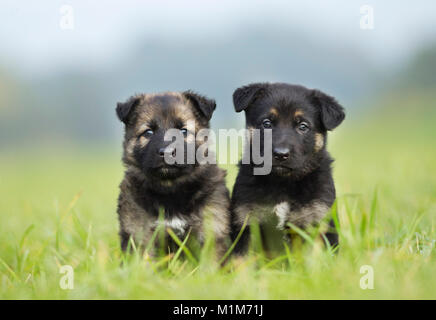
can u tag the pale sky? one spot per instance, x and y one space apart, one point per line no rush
32 40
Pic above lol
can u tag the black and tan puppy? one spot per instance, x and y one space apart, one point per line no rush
299 188
184 192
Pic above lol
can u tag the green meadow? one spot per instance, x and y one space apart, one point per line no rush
58 207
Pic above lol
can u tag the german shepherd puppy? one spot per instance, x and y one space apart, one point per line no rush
299 189
185 192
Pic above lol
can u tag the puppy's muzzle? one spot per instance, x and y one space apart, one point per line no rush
167 151
281 154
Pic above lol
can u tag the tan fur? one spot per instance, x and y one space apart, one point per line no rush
303 217
132 220
143 141
298 113
319 141
274 112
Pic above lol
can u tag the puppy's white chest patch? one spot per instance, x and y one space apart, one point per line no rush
177 224
282 211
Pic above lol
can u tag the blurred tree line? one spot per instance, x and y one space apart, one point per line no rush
78 105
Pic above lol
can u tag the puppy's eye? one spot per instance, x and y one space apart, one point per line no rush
184 131
147 133
267 124
303 127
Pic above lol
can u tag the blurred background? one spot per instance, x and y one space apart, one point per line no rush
64 65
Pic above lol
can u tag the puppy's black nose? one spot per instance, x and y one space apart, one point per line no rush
281 154
167 150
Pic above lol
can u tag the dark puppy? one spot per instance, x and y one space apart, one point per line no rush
300 188
185 192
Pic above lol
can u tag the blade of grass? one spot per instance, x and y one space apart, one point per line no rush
274 261
256 239
373 210
25 234
14 275
335 218
71 205
348 211
301 233
179 243
288 254
327 243
233 245
179 251
153 238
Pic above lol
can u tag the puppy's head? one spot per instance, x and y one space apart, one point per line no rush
299 119
148 117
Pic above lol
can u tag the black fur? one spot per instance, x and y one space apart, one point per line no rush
300 185
204 105
125 108
332 113
244 96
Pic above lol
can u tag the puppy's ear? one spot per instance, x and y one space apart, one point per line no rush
244 96
124 109
332 113
204 105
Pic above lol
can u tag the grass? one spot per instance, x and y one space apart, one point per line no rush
58 208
